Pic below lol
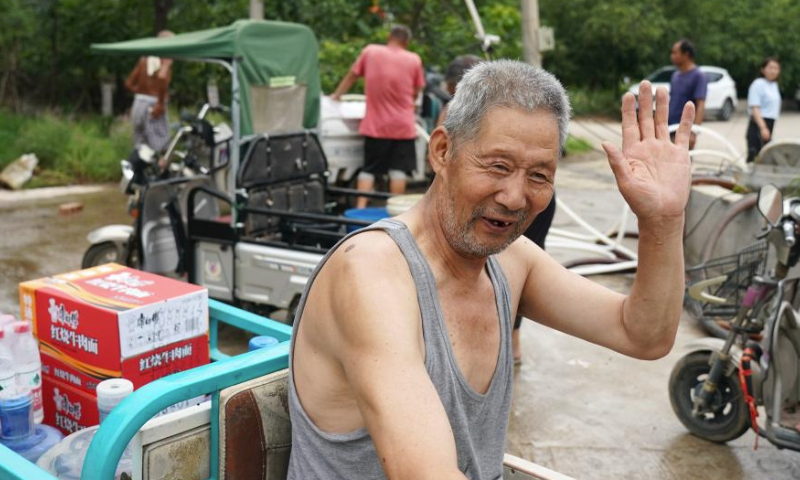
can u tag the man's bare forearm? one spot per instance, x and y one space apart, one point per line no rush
699 111
345 85
653 308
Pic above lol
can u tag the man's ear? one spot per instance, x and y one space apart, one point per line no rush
439 146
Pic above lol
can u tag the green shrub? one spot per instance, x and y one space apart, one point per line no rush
576 145
46 136
69 150
590 101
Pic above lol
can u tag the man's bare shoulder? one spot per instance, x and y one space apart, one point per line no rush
369 255
367 285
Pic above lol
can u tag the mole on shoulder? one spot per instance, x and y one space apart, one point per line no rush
349 247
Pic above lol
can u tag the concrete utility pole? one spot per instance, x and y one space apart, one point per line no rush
256 9
530 32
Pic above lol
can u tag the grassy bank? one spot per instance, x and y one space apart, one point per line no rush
587 101
576 145
70 150
88 149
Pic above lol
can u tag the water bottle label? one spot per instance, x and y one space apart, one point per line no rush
32 380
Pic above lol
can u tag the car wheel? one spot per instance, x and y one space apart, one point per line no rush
727 110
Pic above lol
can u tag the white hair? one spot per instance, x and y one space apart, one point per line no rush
504 83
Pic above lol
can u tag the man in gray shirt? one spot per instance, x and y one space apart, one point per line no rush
401 363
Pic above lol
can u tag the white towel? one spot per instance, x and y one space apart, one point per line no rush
153 64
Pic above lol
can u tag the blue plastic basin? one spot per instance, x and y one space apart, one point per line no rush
371 214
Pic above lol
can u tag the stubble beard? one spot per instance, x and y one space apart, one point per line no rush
461 238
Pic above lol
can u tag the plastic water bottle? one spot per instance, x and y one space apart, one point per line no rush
18 432
66 459
7 374
28 365
109 393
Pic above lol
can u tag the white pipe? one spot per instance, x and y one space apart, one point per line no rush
600 236
572 235
579 246
717 136
587 270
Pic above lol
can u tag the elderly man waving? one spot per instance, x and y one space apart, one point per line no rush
401 361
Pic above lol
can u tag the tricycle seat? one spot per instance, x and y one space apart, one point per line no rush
255 432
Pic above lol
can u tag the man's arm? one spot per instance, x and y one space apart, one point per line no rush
653 176
700 109
345 85
132 82
762 125
377 339
699 99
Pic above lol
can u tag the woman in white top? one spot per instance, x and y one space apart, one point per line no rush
764 103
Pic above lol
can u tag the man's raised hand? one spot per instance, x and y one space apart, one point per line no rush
652 173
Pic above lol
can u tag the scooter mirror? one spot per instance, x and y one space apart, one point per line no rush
770 203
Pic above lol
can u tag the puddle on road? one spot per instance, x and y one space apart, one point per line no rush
36 241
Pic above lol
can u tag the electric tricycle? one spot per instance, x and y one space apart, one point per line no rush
717 388
264 217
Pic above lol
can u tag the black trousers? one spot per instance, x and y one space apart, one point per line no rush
754 141
537 233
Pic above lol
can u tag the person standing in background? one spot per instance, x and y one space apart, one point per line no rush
455 71
764 103
688 84
393 79
149 82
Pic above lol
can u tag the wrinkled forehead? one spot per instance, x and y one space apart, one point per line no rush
503 121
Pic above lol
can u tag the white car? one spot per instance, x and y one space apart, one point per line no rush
720 97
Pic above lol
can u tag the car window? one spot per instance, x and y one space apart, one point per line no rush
713 76
661 76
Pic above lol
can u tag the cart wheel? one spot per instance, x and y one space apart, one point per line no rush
726 418
106 252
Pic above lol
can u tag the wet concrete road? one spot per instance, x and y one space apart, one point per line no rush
36 241
578 409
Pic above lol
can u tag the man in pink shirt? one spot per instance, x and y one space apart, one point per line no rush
393 78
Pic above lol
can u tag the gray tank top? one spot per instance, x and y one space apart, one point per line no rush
479 421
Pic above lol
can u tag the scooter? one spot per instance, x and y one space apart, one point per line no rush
716 389
154 184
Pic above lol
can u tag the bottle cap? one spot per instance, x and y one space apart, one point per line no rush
262 341
110 392
21 327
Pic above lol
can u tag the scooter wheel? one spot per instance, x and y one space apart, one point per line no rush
726 418
106 252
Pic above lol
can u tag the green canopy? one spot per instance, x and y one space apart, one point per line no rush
263 50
